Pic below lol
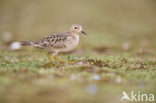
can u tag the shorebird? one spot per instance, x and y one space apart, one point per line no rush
59 42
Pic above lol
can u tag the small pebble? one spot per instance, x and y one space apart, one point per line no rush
112 74
6 58
125 46
12 61
96 77
118 80
73 77
15 46
142 84
7 36
92 89
75 57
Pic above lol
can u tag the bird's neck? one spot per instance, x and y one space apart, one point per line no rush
74 32
75 35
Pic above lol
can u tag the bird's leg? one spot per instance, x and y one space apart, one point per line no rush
48 56
47 64
58 59
62 60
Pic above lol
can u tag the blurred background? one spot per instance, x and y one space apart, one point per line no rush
117 29
113 25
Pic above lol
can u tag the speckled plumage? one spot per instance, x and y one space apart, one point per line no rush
59 42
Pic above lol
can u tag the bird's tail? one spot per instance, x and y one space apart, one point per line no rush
29 43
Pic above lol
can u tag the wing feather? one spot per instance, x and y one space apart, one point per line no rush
58 40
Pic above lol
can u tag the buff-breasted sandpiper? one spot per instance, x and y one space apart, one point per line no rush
59 42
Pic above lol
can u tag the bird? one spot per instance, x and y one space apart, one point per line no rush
58 42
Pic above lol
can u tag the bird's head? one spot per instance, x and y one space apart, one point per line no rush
76 29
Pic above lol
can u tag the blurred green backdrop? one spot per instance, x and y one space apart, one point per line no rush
109 23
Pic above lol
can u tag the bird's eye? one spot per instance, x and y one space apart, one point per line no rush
75 27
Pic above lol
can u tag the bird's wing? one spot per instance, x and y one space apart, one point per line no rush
58 40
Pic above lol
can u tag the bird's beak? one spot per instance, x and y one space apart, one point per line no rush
83 32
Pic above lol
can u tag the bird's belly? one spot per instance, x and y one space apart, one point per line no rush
69 47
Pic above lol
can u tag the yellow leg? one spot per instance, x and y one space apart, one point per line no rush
48 56
58 59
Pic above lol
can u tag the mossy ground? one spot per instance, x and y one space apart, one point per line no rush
26 80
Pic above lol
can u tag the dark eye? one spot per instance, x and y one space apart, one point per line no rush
75 27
